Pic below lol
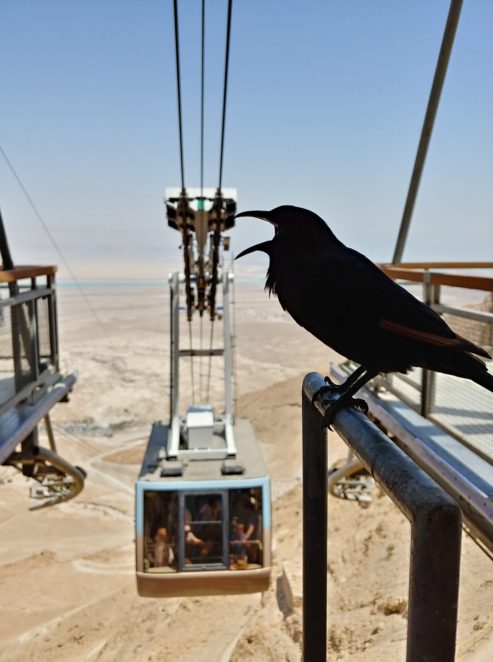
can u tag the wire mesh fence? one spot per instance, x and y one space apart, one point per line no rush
407 387
465 408
43 326
461 407
480 332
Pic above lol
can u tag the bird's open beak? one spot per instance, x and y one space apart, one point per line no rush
264 246
263 215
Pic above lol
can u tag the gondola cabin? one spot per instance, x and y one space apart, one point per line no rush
203 521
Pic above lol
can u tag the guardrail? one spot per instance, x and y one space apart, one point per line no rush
442 398
31 384
28 333
435 530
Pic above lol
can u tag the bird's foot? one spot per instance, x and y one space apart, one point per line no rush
329 388
334 407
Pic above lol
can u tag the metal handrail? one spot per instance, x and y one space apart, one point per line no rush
21 272
22 307
435 530
33 414
466 313
423 274
441 265
30 295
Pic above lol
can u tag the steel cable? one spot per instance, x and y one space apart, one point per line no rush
202 78
54 243
201 358
225 92
191 359
217 232
178 88
210 362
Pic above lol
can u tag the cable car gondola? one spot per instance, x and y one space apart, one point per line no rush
203 521
194 515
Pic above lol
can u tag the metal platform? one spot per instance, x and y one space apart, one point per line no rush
31 382
19 421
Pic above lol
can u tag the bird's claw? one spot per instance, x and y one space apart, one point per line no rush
328 419
318 394
360 404
334 407
329 388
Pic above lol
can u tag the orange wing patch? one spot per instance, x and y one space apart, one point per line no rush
423 336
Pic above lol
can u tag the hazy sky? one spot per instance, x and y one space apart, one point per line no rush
326 101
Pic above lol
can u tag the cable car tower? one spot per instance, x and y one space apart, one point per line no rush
203 516
201 220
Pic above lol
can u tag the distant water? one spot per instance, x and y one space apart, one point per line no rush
111 282
151 282
450 295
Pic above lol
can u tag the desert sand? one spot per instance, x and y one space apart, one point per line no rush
67 583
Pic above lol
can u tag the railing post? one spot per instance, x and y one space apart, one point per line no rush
433 583
32 316
428 379
435 531
314 534
53 321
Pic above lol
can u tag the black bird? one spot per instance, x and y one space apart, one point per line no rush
349 304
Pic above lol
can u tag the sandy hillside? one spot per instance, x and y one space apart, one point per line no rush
67 585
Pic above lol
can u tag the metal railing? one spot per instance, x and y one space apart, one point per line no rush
28 333
31 384
460 408
435 530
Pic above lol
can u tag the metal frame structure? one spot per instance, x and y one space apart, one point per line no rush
432 277
224 424
435 530
23 302
428 122
468 490
32 382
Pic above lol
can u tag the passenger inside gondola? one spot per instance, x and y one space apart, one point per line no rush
204 535
161 544
238 558
163 552
246 509
211 510
192 542
218 530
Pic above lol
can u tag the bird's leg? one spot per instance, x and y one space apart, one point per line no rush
330 386
346 398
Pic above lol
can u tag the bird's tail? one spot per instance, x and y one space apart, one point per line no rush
484 379
466 365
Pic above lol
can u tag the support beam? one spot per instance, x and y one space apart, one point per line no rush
429 121
314 534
